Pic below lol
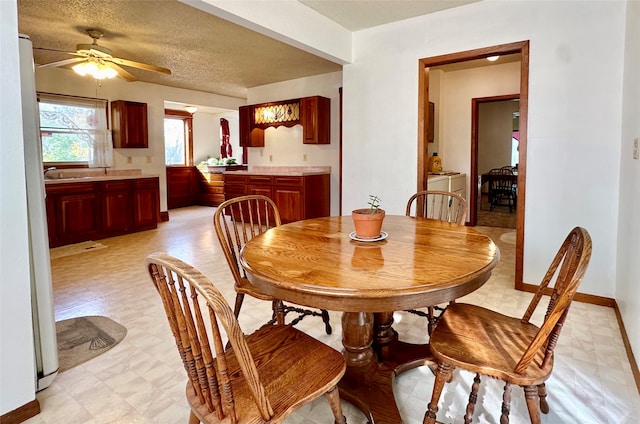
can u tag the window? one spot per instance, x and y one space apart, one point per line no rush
178 141
74 130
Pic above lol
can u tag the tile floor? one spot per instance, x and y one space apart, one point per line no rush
141 380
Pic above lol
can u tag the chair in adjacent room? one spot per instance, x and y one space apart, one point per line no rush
510 349
260 378
502 188
443 206
237 221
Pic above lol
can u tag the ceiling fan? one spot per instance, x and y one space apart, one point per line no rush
97 61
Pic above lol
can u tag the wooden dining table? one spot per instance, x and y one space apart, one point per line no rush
417 262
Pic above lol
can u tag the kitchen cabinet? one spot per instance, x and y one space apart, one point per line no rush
212 182
129 124
117 203
297 197
74 212
182 186
314 116
249 135
90 210
146 203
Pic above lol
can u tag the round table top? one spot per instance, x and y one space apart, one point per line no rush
421 262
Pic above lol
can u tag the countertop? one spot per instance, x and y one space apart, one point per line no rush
65 176
284 170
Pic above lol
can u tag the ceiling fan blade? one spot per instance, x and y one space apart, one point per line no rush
139 65
62 62
121 72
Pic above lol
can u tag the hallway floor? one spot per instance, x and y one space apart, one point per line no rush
141 380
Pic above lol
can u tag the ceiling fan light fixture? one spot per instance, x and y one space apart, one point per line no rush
191 109
95 69
493 58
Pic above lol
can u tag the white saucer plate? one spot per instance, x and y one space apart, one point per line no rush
383 235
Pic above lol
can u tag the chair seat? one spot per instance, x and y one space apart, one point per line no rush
284 354
486 342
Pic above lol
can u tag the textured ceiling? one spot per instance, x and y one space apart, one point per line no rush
204 53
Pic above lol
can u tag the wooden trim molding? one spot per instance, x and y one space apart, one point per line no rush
603 301
22 413
627 347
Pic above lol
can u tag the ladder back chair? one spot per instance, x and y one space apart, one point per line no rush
259 378
443 206
237 221
502 188
510 349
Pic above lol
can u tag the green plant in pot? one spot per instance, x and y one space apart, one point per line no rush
368 221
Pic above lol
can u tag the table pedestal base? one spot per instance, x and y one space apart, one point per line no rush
373 363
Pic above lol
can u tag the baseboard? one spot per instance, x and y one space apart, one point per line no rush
627 346
22 413
164 216
602 301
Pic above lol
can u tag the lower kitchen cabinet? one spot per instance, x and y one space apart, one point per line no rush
81 211
297 197
76 213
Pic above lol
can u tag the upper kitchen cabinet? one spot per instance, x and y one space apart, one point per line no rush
129 124
313 113
315 117
249 135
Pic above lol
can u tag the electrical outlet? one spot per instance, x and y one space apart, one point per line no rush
304 157
270 158
636 153
129 159
148 159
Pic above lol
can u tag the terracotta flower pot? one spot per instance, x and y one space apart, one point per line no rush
368 225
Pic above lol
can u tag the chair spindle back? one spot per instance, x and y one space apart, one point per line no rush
440 205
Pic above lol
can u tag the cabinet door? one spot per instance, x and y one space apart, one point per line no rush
116 211
249 136
315 117
77 217
289 202
129 124
182 186
145 208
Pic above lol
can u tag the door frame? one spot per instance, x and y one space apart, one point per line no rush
521 47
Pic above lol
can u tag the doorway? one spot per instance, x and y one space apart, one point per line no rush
495 149
424 124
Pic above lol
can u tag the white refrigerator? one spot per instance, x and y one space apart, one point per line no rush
44 328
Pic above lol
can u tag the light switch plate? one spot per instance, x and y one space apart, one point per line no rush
636 152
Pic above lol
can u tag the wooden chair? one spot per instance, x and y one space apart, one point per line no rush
510 349
237 221
262 377
443 206
440 205
502 188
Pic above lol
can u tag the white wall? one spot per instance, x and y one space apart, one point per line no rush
17 368
574 117
457 89
283 146
206 135
63 81
627 293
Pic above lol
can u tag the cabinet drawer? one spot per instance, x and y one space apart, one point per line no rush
116 185
70 188
288 181
259 179
233 178
146 183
